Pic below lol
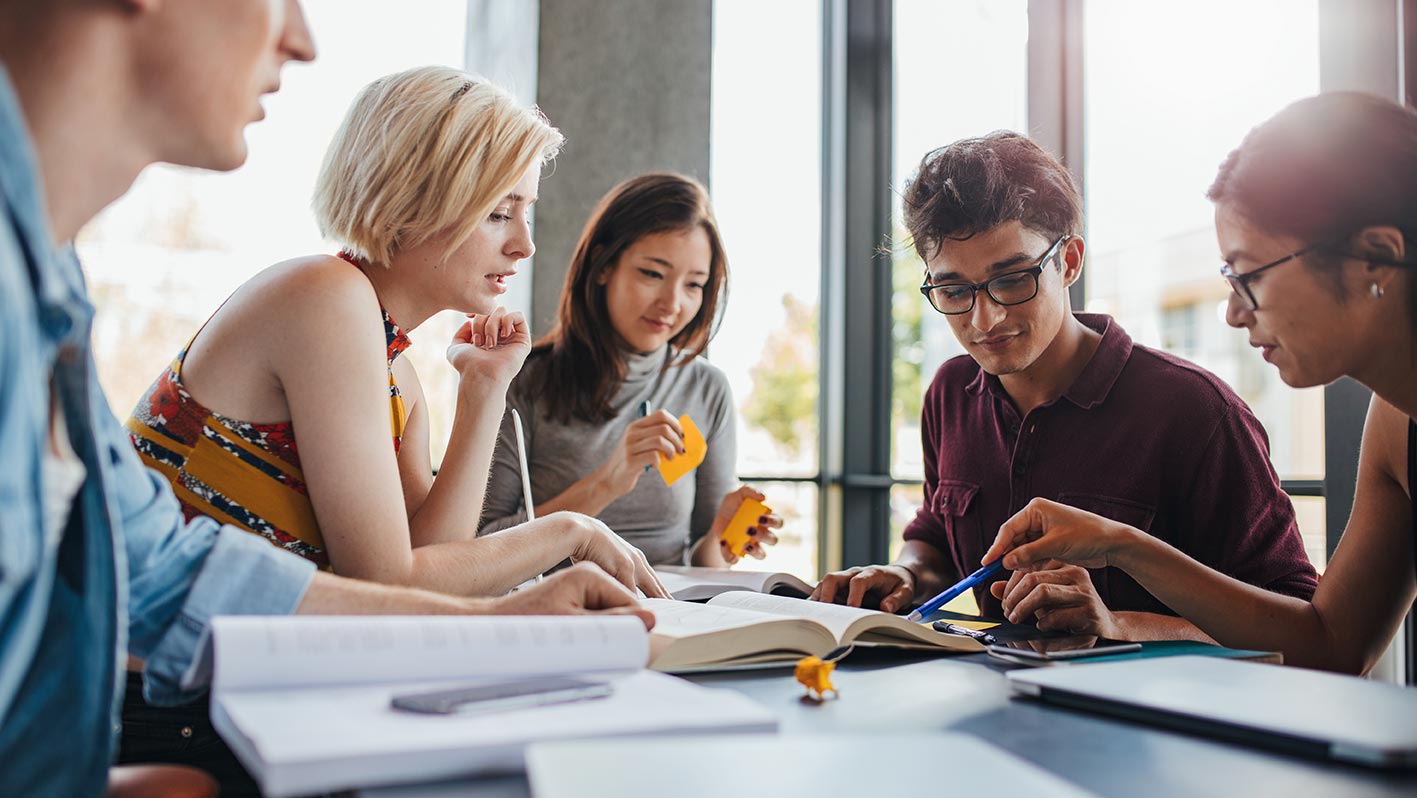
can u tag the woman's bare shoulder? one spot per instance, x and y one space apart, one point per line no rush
1385 439
318 281
309 306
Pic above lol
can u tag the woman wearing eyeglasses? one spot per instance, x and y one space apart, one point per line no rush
1316 215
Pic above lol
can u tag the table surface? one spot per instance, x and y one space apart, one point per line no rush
892 692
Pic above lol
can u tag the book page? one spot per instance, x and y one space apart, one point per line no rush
835 617
690 583
679 619
850 623
311 650
695 636
687 583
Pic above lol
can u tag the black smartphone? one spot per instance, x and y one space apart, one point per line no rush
501 697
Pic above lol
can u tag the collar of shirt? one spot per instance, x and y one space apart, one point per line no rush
64 312
1092 386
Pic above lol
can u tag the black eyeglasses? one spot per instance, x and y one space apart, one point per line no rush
1240 283
1010 288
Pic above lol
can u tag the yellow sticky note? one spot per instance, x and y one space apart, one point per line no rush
736 533
695 450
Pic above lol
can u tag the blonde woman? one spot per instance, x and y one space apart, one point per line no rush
290 413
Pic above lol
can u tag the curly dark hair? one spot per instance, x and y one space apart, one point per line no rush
975 185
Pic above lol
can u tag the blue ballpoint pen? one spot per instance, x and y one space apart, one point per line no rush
964 584
641 413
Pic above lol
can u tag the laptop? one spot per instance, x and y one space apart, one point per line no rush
783 766
1304 712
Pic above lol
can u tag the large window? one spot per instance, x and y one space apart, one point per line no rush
766 184
1141 100
976 84
1161 112
162 259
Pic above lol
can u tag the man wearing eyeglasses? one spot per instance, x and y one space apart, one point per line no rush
1061 405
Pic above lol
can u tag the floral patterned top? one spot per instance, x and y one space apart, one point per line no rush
238 472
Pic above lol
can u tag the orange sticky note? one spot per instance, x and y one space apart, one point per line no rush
695 450
736 533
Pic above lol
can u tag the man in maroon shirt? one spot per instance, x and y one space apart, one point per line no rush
1064 406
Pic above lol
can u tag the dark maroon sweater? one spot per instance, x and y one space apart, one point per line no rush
1141 437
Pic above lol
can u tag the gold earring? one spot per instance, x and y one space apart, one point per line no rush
1377 291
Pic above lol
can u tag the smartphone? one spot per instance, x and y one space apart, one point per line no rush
1065 654
501 697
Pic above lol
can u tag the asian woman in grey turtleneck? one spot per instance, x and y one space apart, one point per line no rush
638 308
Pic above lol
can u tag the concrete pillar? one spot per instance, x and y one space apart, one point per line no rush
501 46
627 81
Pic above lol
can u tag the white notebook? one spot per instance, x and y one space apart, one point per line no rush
304 701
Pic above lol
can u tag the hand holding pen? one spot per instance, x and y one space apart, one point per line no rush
949 594
645 440
641 412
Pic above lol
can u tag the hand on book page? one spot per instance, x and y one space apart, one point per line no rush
615 555
887 587
581 589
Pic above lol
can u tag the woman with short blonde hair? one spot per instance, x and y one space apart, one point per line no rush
426 152
290 413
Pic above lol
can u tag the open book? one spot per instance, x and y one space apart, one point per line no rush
304 701
752 629
688 583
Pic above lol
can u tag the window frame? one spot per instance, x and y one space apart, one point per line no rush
855 477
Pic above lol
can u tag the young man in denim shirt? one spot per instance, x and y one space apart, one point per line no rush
96 560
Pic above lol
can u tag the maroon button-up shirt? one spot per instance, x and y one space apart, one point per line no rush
1141 437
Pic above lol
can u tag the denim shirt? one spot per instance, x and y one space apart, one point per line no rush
127 574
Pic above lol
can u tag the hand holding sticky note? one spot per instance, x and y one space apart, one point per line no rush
695 450
736 533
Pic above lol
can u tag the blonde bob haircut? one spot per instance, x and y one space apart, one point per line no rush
424 152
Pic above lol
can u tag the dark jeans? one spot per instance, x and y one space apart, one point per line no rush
181 735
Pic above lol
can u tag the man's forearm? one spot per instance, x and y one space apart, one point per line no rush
1141 626
931 570
335 595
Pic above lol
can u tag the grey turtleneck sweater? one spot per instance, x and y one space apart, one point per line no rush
663 521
